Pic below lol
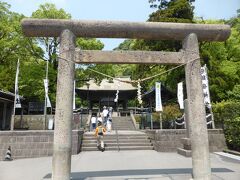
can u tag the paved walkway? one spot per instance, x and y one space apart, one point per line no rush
123 165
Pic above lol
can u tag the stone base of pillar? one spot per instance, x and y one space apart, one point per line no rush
186 150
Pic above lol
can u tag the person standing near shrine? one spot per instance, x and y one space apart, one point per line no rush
105 115
93 122
109 119
99 118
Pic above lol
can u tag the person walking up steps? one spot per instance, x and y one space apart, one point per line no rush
105 115
93 123
99 119
100 130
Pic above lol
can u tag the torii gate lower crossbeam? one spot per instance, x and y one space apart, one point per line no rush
191 33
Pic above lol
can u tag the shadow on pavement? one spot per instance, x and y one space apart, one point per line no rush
84 175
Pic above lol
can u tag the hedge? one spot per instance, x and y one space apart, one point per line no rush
227 113
232 133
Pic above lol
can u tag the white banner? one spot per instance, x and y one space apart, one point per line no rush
48 102
45 81
74 94
180 95
17 97
158 97
205 86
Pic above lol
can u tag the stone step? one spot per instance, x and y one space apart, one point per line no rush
122 122
124 125
123 128
93 144
125 121
121 148
119 137
120 141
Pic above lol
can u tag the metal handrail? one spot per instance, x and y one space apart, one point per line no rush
117 139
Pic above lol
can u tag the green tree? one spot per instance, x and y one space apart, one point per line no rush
51 44
89 44
223 62
173 11
167 11
13 46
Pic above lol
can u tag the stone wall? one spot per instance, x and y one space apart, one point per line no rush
31 122
29 144
36 122
168 140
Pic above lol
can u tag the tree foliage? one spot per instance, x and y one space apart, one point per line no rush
173 11
13 46
50 44
31 52
168 11
223 62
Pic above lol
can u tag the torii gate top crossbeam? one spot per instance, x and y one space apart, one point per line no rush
123 29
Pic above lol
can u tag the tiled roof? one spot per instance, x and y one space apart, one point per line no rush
110 85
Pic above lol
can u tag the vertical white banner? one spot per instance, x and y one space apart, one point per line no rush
158 97
17 97
74 94
46 92
205 86
48 102
180 95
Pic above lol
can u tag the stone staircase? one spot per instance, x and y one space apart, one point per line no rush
122 123
118 141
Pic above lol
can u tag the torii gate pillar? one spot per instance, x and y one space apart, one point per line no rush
62 146
196 112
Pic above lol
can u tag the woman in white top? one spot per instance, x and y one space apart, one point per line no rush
99 119
93 122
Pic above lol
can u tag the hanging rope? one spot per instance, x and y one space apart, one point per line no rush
134 81
180 124
180 119
209 122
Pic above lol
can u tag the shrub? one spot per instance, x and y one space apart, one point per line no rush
232 133
227 113
226 110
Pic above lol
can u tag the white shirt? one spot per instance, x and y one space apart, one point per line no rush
93 119
99 119
105 113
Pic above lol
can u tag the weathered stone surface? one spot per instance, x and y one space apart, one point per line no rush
128 57
169 140
62 144
121 29
196 110
31 122
35 122
26 144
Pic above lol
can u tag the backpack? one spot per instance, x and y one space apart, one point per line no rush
100 130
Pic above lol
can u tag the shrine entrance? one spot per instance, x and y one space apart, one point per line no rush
105 93
189 34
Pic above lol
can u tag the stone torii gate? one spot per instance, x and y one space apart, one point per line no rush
190 34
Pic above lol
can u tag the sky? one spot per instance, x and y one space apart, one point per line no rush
127 10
